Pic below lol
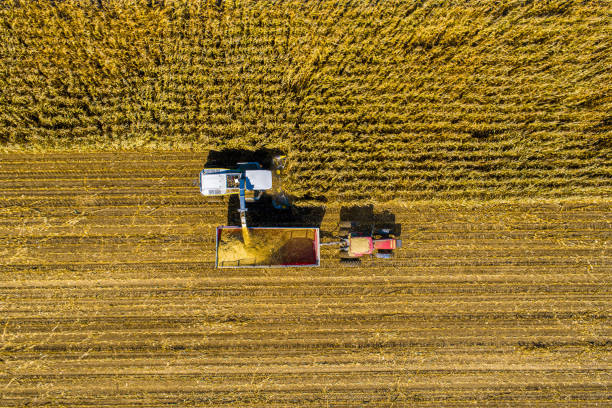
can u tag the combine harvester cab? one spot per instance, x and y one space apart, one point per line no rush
270 247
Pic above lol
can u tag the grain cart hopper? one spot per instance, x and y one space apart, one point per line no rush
258 247
267 247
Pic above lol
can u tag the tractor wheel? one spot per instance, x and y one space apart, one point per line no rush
385 254
350 261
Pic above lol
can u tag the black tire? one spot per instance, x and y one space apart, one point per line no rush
350 261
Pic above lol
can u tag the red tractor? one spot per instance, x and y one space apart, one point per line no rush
356 243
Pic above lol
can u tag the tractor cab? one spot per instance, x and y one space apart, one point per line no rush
359 246
355 244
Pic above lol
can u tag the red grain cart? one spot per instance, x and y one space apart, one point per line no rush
271 247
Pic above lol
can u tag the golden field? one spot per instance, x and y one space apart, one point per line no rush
483 128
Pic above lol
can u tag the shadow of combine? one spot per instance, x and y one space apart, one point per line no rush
228 158
262 213
365 220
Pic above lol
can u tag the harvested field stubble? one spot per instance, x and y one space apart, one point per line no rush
111 298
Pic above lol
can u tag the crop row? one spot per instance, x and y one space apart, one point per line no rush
265 64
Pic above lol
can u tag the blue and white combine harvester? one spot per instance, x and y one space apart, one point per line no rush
250 181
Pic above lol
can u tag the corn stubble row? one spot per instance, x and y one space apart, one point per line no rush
433 101
109 297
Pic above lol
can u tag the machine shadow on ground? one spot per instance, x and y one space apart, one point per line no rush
262 213
364 219
228 158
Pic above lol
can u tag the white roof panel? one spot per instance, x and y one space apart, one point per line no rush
259 179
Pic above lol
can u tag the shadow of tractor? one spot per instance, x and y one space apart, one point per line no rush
365 220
